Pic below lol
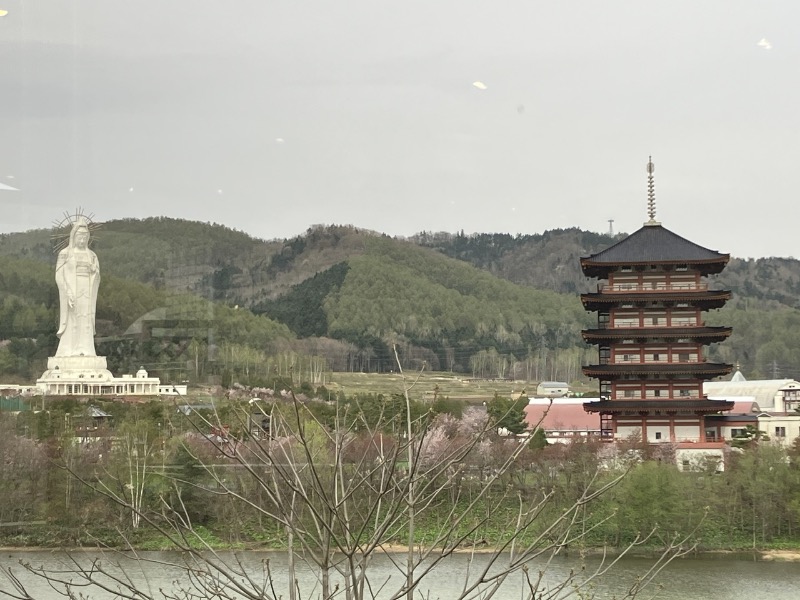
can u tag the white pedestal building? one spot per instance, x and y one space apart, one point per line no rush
81 375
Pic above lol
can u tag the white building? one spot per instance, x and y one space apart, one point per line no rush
552 389
772 405
96 383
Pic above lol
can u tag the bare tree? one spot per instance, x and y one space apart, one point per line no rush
348 492
126 479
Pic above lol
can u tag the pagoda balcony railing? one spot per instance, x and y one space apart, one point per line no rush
692 439
675 322
658 398
648 361
658 286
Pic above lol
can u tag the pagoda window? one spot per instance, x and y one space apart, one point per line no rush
655 314
626 321
683 282
684 393
683 319
654 357
626 269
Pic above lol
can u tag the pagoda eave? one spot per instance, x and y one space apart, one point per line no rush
704 406
601 268
706 334
702 370
705 299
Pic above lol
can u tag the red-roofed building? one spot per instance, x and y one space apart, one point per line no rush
562 419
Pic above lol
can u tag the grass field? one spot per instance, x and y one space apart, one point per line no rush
423 386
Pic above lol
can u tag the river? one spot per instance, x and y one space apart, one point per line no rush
732 577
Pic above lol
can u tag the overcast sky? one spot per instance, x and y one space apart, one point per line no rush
271 116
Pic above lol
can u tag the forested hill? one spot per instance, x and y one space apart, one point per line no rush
230 265
445 312
550 260
490 304
159 251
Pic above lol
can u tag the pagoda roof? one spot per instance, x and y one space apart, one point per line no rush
615 406
717 297
619 333
697 369
653 244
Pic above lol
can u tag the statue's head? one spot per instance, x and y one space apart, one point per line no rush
79 237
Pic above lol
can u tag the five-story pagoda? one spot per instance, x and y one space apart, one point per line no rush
651 336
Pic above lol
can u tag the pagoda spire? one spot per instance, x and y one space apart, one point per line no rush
651 193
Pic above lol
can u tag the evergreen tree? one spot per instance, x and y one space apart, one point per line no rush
508 414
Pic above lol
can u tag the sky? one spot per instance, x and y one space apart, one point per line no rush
517 116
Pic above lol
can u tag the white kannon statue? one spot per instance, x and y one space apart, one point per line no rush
77 277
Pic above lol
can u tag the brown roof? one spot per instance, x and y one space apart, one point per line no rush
615 297
612 406
745 407
618 370
653 244
656 332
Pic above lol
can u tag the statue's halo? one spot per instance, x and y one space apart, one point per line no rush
62 229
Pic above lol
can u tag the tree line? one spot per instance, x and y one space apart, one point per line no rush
135 449
335 482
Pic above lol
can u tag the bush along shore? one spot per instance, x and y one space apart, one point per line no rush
149 477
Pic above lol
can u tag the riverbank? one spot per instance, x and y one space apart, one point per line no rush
787 555
782 555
